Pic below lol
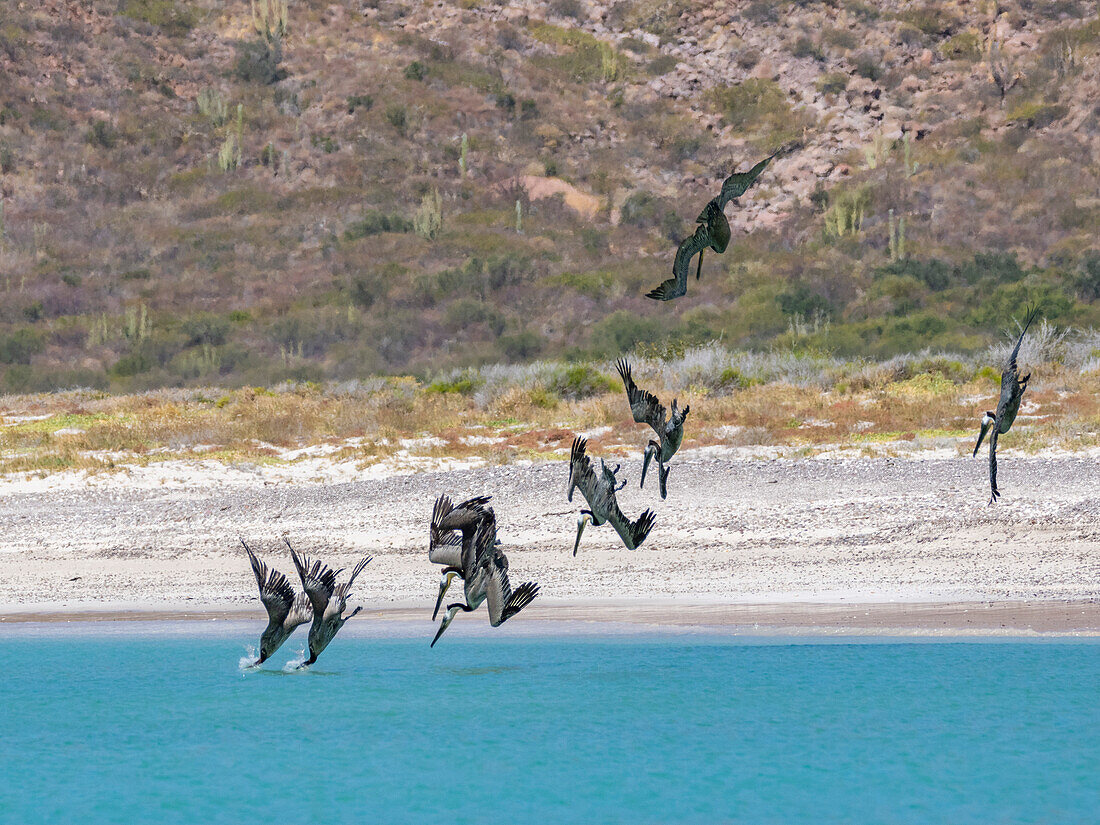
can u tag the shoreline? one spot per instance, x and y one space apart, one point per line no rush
1073 618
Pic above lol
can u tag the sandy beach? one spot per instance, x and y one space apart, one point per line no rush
837 545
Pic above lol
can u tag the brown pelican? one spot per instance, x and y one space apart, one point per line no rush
713 231
1012 392
648 410
452 536
599 491
328 598
285 611
485 578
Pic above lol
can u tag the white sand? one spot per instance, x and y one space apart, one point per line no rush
778 535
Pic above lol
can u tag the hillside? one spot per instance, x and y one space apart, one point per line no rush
199 193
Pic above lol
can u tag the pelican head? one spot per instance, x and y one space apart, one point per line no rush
444 583
447 619
581 523
987 422
267 647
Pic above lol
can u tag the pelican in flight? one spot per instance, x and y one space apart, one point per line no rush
285 611
1012 393
328 598
451 537
485 578
712 230
648 410
599 491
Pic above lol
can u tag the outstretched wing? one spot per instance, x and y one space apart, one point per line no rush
689 247
1011 364
581 473
1010 375
275 591
341 592
444 545
632 533
645 406
503 602
318 580
300 613
738 183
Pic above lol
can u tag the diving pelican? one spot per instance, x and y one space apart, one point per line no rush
712 230
486 579
599 491
648 410
328 598
1012 393
285 611
451 537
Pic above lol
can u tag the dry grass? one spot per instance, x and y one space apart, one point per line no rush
519 418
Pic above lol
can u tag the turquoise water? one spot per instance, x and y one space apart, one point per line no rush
110 728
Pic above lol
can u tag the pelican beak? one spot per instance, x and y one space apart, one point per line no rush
650 451
581 522
444 583
986 423
443 625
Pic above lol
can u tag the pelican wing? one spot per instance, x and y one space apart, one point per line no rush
677 285
581 473
632 533
503 602
275 591
300 613
738 183
318 580
341 592
1011 391
645 406
444 545
994 492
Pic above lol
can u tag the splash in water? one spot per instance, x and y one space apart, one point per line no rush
296 661
248 661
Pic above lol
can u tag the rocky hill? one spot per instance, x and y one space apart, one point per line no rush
219 192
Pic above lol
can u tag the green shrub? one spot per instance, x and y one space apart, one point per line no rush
1087 280
581 381
661 65
464 384
375 222
19 346
165 14
360 102
761 109
733 378
799 299
805 47
466 312
931 19
832 83
521 346
102 134
963 46
868 65
644 209
1037 115
258 61
621 331
416 71
398 117
205 328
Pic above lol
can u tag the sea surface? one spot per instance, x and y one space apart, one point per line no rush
136 726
